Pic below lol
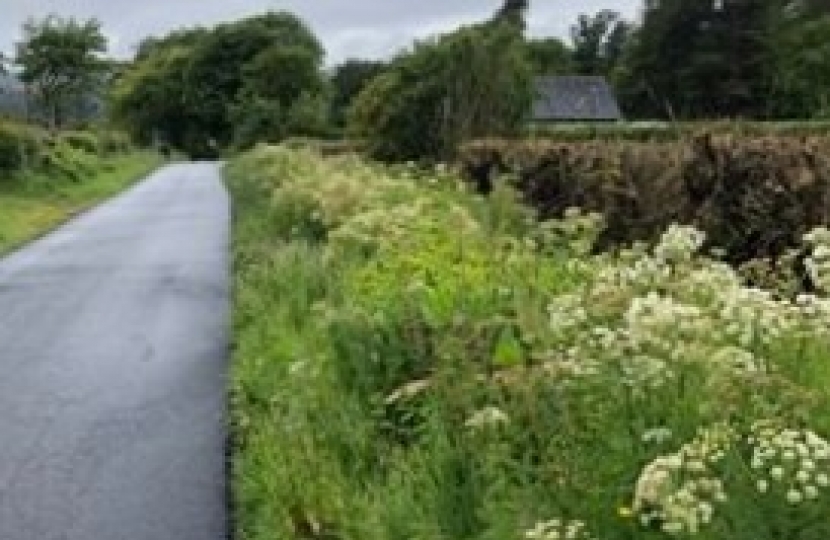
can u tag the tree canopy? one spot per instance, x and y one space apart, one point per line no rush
474 82
61 62
233 84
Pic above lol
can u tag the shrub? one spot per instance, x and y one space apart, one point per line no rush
18 147
83 141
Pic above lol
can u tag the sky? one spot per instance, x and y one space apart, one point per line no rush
348 28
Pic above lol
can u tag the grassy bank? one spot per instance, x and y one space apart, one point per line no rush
416 362
32 203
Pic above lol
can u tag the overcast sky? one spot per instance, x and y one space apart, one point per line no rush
348 28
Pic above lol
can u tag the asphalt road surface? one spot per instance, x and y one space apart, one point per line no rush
113 352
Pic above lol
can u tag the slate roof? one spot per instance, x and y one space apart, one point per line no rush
575 98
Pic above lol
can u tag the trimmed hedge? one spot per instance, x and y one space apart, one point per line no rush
666 131
755 197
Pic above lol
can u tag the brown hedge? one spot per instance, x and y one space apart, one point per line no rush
754 197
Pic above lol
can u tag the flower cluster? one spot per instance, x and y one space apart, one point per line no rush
487 417
678 492
818 263
679 244
559 529
792 463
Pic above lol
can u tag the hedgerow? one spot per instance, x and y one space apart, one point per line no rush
69 155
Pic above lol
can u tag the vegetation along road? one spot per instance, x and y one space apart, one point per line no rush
112 358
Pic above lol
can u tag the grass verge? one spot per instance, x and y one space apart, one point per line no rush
34 203
416 362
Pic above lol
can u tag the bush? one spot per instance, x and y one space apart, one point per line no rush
83 141
18 147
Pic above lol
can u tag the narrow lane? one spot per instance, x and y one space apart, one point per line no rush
113 351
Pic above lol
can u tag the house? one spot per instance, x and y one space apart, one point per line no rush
575 98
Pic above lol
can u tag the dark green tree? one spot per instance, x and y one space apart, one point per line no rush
203 90
347 81
513 12
598 42
61 61
148 98
217 75
474 82
550 56
699 59
800 77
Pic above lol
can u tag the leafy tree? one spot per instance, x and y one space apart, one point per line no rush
217 74
700 59
800 87
60 60
550 56
474 82
513 12
211 88
348 80
598 42
148 98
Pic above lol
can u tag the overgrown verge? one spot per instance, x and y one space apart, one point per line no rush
413 361
46 179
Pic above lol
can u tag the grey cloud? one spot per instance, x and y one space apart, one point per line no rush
348 28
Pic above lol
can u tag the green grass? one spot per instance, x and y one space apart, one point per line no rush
34 203
415 362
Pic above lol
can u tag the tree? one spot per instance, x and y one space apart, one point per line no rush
550 56
800 87
474 82
203 90
217 76
60 61
148 99
598 42
348 80
513 12
275 103
718 68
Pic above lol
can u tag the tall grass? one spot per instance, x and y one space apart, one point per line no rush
32 202
416 362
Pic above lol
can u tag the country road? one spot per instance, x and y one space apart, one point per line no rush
113 352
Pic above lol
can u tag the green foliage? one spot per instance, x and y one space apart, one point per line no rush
598 42
60 60
204 90
414 361
71 155
474 82
550 56
348 81
18 147
802 69
148 99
